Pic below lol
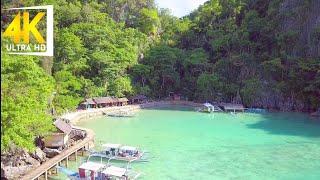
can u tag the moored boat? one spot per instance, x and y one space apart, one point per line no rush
97 171
121 114
119 152
209 108
114 172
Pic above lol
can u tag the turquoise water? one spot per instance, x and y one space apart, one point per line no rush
184 144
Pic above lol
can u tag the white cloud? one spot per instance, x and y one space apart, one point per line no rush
180 8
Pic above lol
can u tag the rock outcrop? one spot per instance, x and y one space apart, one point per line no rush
302 17
50 153
77 134
39 155
16 163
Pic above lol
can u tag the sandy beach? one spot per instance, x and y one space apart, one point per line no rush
80 115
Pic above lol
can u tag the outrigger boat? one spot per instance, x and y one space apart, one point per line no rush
98 171
209 108
119 152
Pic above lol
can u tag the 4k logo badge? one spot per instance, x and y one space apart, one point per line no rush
25 34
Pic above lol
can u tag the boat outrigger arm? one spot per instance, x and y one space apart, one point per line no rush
129 173
120 153
97 154
208 107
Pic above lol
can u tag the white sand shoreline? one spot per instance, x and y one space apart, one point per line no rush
75 117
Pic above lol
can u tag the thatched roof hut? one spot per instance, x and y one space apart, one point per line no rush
88 101
103 100
123 99
59 138
63 126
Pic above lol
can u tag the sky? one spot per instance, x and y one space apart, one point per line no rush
180 8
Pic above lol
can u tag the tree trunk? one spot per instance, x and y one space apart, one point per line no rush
47 64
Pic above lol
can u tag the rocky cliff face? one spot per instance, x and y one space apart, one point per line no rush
276 101
303 18
300 19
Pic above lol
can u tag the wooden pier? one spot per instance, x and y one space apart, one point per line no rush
43 169
232 107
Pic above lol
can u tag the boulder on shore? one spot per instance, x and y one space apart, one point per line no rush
10 172
16 163
77 134
39 155
50 153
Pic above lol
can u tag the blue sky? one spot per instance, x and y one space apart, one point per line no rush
180 8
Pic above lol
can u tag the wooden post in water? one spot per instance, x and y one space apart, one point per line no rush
46 175
55 170
50 171
67 161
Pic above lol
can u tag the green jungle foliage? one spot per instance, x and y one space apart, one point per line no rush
25 94
230 51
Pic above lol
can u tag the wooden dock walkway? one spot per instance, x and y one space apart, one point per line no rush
232 107
64 155
73 118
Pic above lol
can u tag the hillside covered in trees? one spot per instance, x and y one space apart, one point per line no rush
262 53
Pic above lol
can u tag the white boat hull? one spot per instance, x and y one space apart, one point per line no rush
119 158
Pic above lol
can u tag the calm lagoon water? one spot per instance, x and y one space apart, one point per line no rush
184 144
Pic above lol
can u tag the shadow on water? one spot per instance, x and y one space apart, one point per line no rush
292 124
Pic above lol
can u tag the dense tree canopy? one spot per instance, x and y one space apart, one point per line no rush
232 51
238 51
25 94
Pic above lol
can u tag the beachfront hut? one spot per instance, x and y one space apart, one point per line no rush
122 101
115 101
87 103
90 169
104 101
60 137
138 99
